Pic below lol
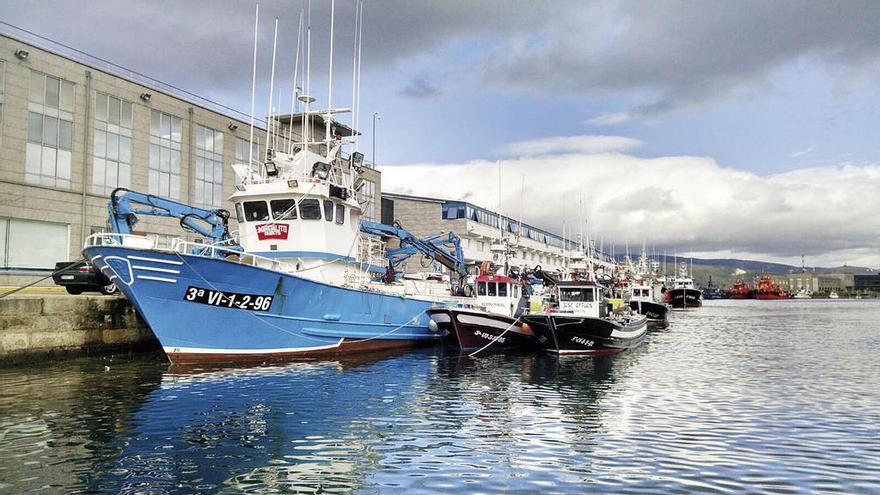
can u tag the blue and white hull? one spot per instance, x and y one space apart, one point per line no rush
212 310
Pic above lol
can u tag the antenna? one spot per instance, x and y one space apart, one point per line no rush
294 92
354 70
269 143
307 98
254 87
357 107
330 78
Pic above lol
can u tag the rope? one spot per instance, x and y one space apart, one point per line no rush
23 287
494 339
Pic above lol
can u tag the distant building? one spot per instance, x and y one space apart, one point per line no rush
479 228
867 283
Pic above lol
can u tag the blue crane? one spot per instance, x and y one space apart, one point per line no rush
443 248
126 205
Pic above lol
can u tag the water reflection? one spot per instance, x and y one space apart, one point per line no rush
700 407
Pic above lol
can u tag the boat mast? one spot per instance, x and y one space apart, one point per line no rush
254 88
270 143
330 79
295 91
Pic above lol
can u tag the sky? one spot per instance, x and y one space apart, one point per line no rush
713 128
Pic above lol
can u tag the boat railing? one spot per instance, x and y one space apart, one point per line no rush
115 239
229 254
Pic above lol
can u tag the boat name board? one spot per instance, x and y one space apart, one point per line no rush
582 341
272 231
251 302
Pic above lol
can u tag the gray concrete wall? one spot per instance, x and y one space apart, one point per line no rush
40 326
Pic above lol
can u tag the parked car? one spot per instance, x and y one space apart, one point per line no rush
82 278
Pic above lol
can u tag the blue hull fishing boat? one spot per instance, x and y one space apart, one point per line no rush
209 309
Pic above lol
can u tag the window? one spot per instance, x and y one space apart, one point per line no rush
310 209
111 154
161 241
502 290
368 200
165 139
576 294
242 155
328 210
340 214
256 211
209 167
481 288
493 290
32 244
50 130
239 212
283 209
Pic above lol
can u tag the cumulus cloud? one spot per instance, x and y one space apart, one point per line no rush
684 203
571 144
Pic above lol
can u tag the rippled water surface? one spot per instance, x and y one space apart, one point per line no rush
739 396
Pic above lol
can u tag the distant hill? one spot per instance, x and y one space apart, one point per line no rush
725 271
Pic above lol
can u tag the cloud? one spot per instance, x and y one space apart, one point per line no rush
612 118
571 144
420 88
803 153
686 203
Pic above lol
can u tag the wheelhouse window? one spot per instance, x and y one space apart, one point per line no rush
310 209
502 290
283 209
340 214
328 210
481 288
493 289
239 212
256 211
579 294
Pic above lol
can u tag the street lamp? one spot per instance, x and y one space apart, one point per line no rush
376 117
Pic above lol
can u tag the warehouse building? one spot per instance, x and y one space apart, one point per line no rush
480 229
73 128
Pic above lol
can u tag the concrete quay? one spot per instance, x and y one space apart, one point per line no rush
49 325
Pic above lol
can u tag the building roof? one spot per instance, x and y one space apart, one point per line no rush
318 121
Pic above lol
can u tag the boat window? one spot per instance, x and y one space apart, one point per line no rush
328 210
481 288
493 290
283 209
239 212
502 290
310 209
256 211
573 294
340 214
515 291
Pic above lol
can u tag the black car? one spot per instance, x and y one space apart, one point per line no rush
82 277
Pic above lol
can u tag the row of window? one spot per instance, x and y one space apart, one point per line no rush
290 209
456 211
51 103
496 289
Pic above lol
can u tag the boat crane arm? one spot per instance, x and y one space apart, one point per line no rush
125 206
436 247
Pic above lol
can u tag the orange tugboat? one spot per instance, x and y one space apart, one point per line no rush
740 290
766 289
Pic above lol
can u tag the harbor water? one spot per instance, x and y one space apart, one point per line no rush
735 397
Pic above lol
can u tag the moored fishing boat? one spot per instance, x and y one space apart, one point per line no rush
582 323
643 301
683 294
491 322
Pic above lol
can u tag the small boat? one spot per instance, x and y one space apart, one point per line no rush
711 291
740 290
582 323
642 301
683 294
492 320
833 295
802 294
766 289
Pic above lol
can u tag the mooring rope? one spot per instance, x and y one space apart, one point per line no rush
494 339
23 287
